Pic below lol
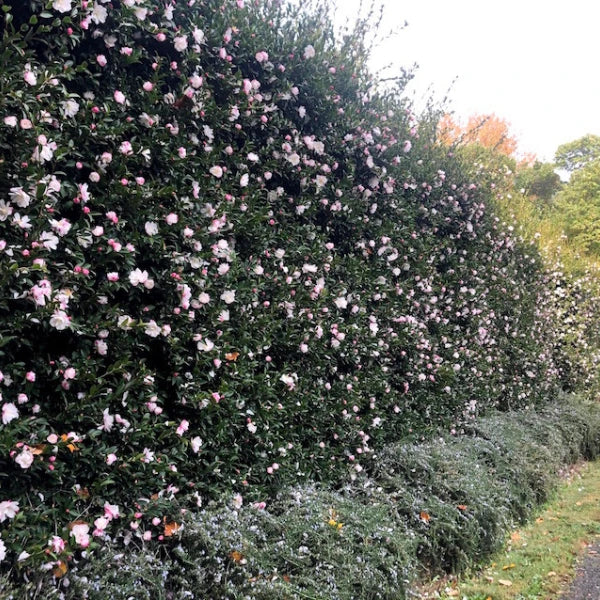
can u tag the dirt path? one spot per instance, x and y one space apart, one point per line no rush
586 585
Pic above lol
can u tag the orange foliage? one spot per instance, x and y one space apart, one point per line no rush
488 131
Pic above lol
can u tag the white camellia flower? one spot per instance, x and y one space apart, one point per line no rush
244 179
70 108
2 551
289 380
152 329
216 171
9 413
341 302
24 459
62 6
99 14
205 345
309 52
293 159
20 197
228 296
151 228
60 320
138 276
196 444
125 322
5 210
180 43
8 510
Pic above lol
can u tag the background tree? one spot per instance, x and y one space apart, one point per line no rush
489 131
539 181
578 153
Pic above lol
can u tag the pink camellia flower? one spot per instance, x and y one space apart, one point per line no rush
183 427
29 76
11 121
126 148
80 532
57 544
262 56
111 511
171 219
182 152
30 376
70 373
111 458
101 60
216 171
101 523
119 97
112 276
148 86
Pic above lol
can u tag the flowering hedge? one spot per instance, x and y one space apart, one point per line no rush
227 263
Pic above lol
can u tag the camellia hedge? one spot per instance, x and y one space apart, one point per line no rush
228 263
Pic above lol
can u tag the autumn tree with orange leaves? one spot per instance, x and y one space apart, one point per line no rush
488 131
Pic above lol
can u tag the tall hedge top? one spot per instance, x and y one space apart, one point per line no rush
228 263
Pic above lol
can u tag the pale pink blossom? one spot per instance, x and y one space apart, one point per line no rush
80 532
8 510
119 97
111 511
9 413
25 458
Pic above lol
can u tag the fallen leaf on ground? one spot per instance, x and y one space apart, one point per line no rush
505 582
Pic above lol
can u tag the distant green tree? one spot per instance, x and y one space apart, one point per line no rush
577 206
578 153
539 180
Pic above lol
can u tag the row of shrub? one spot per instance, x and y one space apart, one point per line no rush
433 507
229 264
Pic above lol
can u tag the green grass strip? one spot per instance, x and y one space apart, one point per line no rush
538 560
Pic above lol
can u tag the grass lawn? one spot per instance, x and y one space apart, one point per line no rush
539 559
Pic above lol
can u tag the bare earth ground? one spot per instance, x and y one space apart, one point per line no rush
586 585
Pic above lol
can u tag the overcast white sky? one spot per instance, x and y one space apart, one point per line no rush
535 63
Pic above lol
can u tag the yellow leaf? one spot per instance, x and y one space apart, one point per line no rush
424 516
60 570
505 582
236 556
462 507
171 528
511 566
539 520
232 356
